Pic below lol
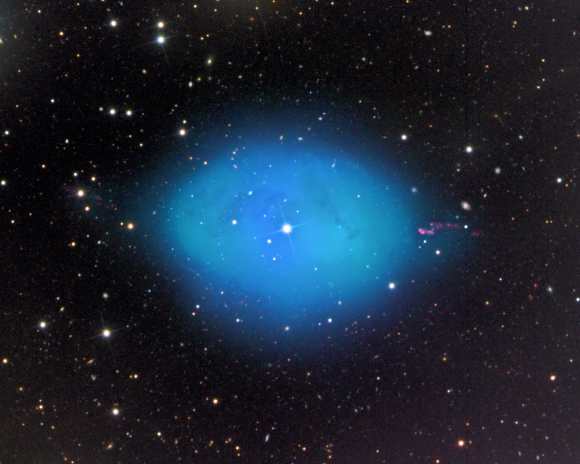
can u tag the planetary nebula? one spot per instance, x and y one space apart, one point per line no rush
300 230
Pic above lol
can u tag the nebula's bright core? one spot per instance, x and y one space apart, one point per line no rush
297 230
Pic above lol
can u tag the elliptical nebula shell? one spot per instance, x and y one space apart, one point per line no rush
301 232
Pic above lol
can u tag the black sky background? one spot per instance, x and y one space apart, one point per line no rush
478 365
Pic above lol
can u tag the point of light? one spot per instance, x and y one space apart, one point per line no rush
128 113
115 411
113 23
42 325
81 193
130 226
160 24
182 132
234 222
286 228
469 149
161 40
106 333
392 285
112 111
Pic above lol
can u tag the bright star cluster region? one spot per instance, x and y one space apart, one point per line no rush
299 232
290 232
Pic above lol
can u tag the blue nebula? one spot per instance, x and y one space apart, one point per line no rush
291 232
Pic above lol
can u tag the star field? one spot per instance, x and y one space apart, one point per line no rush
289 232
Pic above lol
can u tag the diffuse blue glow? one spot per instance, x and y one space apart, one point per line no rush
302 233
